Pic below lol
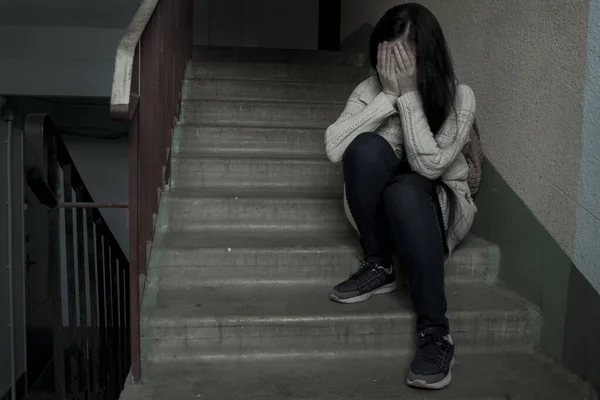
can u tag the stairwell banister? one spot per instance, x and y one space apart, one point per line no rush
123 103
149 70
88 270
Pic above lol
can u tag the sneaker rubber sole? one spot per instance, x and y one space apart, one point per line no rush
389 288
420 384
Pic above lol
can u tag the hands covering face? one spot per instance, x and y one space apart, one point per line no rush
396 66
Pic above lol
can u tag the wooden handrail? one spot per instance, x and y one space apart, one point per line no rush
123 103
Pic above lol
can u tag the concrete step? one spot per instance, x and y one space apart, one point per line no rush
241 322
194 260
276 72
265 142
474 377
250 172
184 211
284 56
263 114
248 90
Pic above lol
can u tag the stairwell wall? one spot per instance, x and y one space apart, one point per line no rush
62 47
291 24
534 67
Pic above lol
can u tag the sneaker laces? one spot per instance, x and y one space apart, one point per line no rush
431 348
364 265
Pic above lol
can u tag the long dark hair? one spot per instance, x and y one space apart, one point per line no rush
436 80
435 73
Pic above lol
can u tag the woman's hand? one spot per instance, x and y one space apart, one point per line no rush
386 68
406 67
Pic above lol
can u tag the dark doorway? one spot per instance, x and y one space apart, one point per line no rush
330 13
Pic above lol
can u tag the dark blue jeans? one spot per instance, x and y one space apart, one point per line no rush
396 209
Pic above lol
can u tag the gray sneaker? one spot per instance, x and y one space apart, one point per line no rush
372 278
431 367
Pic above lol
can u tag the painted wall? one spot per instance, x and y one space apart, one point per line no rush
587 228
61 48
581 350
89 13
257 23
57 61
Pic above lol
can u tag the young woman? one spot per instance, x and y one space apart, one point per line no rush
400 139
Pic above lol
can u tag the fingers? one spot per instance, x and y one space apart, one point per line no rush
386 60
398 57
411 57
406 55
379 56
388 64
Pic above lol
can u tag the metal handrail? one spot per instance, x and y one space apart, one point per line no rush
39 127
84 249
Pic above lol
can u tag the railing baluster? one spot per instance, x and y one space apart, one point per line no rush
108 266
72 370
123 329
117 330
94 334
114 318
54 251
84 296
103 328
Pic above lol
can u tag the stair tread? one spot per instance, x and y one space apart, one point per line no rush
271 55
236 157
264 103
239 141
292 239
276 72
190 130
259 90
259 304
255 192
475 377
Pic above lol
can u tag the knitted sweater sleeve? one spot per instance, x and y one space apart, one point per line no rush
357 117
429 154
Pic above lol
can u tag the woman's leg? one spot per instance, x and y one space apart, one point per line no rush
414 215
370 164
412 208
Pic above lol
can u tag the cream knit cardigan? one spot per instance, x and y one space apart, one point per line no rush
406 129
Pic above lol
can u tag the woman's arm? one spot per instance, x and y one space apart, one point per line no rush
356 118
429 154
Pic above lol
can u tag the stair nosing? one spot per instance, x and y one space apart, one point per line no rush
262 102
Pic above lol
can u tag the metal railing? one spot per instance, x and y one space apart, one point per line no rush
147 82
90 272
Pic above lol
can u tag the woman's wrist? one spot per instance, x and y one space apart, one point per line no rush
407 91
392 97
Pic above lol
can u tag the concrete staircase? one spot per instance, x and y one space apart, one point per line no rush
252 235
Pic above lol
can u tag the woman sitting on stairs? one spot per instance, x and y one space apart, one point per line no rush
400 139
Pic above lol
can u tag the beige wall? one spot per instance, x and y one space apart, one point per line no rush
525 60
257 23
